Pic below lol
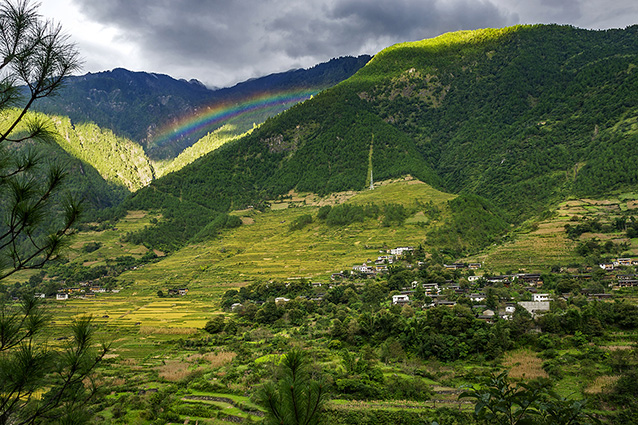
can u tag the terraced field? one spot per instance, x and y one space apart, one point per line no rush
545 243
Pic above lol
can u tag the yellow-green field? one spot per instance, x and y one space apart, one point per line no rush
547 244
263 248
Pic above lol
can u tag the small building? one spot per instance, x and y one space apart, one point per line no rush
281 300
385 259
363 268
510 309
600 297
400 299
534 307
60 296
498 279
477 297
454 266
474 266
39 295
540 297
401 250
431 288
627 283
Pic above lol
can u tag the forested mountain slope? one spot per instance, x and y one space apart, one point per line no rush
522 116
143 106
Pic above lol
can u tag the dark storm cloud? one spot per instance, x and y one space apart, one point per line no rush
565 10
234 40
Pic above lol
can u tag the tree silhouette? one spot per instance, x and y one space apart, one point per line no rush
35 58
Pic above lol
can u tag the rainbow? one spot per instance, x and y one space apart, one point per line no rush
216 112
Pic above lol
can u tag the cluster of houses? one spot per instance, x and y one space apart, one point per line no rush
618 262
83 290
540 301
622 280
380 265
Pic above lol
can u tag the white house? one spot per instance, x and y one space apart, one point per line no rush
62 296
509 309
364 268
400 299
537 298
401 250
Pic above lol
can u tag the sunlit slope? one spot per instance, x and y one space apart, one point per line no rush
264 247
523 116
546 244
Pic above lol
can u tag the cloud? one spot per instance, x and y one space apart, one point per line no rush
222 42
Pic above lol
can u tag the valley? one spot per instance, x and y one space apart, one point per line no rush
231 239
159 347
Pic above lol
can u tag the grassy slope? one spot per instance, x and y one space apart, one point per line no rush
539 246
265 248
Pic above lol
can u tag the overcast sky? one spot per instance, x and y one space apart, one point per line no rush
222 42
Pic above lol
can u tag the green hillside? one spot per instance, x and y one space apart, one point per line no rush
118 160
104 168
521 116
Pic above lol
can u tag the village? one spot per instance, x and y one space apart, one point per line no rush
469 286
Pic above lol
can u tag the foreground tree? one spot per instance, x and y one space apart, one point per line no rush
37 385
295 397
502 402
41 386
35 58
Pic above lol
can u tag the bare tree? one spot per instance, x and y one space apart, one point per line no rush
35 57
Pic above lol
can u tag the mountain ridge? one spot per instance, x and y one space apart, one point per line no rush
138 105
